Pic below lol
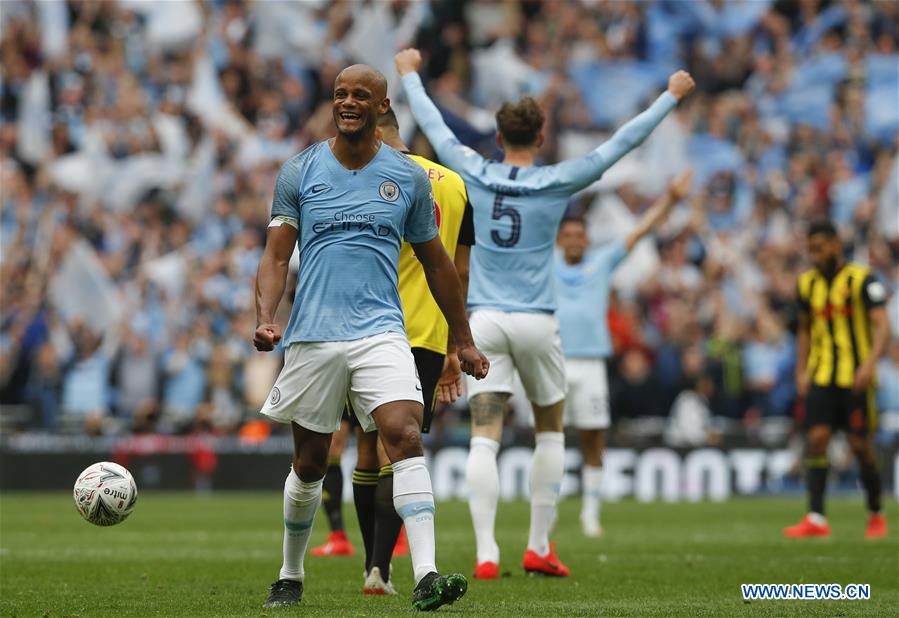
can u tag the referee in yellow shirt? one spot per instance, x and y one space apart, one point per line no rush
435 359
843 330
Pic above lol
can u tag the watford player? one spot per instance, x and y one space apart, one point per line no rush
843 330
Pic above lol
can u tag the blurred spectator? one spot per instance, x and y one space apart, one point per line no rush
635 392
43 389
86 386
139 144
185 383
136 376
724 350
768 362
691 423
223 392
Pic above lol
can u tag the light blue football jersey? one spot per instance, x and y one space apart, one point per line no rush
517 211
583 295
351 225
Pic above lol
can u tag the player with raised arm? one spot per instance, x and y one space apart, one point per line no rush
583 283
347 203
517 209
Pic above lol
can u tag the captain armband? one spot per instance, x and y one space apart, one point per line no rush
280 220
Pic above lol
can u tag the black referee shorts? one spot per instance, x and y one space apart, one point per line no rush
841 408
429 366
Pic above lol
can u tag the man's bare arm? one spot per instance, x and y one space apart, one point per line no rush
880 339
449 385
803 342
461 262
443 281
271 279
677 190
880 332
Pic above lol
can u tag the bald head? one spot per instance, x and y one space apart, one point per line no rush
362 73
360 96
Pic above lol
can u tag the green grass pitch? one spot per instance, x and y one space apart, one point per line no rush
187 555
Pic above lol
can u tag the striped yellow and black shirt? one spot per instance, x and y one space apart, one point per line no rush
839 321
425 325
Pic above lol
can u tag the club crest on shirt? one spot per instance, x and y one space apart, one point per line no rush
389 191
276 396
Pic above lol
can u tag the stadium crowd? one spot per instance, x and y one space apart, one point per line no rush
139 144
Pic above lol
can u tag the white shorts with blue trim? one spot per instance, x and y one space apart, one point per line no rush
318 379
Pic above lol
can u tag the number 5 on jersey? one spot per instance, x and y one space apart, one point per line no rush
498 213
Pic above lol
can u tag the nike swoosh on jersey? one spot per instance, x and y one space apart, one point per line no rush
315 189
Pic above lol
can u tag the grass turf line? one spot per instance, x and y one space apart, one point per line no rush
187 555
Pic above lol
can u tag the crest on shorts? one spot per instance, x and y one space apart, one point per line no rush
275 396
389 191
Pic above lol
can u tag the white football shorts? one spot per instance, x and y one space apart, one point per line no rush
587 402
528 342
318 379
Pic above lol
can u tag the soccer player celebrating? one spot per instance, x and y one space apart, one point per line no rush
843 331
517 209
428 334
583 281
347 203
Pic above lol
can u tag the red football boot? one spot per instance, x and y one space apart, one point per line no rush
337 545
877 526
545 565
402 544
807 528
486 570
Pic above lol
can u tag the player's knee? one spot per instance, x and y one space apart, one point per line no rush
862 449
310 469
367 448
817 448
865 458
407 441
818 441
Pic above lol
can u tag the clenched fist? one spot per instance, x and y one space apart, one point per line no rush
679 188
267 337
473 362
407 61
680 85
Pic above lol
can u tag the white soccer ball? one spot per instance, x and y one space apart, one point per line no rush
105 493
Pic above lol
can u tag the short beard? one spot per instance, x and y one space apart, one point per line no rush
574 257
358 135
353 136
